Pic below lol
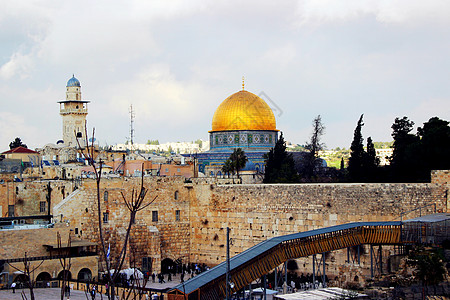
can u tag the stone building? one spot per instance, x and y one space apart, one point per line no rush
73 111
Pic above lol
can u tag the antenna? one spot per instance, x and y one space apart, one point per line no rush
131 124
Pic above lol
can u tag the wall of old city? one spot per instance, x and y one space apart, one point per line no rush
27 196
258 212
16 242
157 237
192 216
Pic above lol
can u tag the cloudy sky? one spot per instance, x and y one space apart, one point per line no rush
176 61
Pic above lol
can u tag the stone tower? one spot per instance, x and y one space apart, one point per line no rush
73 111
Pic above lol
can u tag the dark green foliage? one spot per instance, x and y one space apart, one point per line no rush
370 162
235 163
17 143
429 266
435 144
228 168
404 157
355 162
415 156
313 146
279 164
342 164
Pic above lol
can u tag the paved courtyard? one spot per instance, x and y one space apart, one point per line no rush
55 293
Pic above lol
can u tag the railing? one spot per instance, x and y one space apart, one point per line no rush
49 257
419 209
73 111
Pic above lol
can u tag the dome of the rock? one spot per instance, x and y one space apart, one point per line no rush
243 111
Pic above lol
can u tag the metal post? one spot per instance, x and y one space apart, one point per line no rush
371 261
276 275
359 257
380 257
228 265
285 273
348 254
265 297
324 285
314 271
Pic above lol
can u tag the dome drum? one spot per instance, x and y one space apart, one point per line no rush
249 140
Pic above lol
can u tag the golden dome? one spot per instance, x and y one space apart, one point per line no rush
243 111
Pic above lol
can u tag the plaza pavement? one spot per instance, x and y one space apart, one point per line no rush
55 293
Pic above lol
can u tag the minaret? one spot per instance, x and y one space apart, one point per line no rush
73 111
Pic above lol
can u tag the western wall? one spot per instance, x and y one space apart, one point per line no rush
192 215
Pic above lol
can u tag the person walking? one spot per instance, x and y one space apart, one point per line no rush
13 286
93 293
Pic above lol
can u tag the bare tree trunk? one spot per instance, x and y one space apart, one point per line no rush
134 205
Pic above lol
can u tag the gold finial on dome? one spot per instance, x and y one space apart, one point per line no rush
243 84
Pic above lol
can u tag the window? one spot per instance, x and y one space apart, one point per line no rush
76 230
105 217
167 170
176 195
155 216
105 196
178 170
177 215
42 206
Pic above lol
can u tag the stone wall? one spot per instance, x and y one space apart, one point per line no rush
206 206
258 212
14 243
164 237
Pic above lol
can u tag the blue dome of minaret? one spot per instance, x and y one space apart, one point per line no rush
73 82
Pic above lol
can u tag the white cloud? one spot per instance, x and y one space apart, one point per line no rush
18 64
385 11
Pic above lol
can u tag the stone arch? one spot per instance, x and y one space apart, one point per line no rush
85 274
68 275
44 276
356 278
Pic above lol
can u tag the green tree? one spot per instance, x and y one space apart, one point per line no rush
199 142
238 160
228 168
370 162
434 144
152 142
17 143
279 164
404 160
355 161
314 146
342 164
429 266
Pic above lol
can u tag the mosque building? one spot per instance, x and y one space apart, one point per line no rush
243 120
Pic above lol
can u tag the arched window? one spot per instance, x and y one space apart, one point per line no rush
175 196
105 196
